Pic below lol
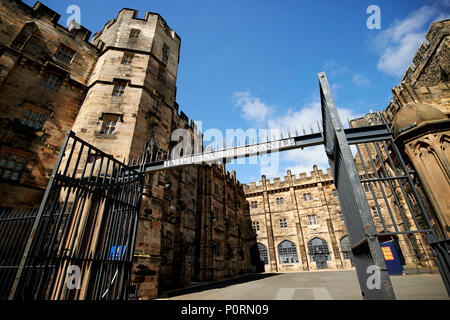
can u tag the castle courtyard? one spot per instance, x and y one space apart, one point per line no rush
316 285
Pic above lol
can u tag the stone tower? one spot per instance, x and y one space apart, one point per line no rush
420 114
131 98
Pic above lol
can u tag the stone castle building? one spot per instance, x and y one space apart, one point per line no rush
116 91
297 220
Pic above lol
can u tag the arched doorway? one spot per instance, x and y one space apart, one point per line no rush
287 252
319 252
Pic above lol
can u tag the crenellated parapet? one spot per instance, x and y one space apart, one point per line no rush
427 80
303 180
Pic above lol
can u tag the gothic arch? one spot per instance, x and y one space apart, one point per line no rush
287 252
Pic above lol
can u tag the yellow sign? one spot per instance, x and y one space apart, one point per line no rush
387 253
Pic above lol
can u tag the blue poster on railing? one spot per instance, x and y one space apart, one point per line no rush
392 258
117 252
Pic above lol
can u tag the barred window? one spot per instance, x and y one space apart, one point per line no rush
65 54
375 212
263 253
134 34
165 54
12 163
119 88
127 58
312 219
307 196
33 119
287 252
283 223
255 225
52 81
217 250
109 124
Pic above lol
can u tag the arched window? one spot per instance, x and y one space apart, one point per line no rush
24 35
287 252
345 247
318 248
263 253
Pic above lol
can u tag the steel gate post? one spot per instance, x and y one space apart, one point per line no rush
368 259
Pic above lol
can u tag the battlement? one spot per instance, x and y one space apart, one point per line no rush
41 11
132 14
315 176
423 82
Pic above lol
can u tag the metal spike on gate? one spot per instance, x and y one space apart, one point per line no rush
289 133
296 132
304 132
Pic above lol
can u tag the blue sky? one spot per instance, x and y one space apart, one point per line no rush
254 64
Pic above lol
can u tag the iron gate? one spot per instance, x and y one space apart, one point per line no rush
87 220
389 197
79 243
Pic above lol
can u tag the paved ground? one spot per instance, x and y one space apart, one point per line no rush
321 285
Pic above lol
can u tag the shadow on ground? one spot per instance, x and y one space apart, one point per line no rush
217 285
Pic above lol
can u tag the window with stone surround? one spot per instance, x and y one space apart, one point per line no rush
318 247
287 252
280 201
307 196
335 193
375 212
312 219
217 250
134 33
127 58
165 54
109 123
12 163
52 81
283 223
255 225
34 118
254 204
341 216
65 54
119 88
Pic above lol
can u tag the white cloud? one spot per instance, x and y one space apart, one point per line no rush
306 117
334 68
399 43
252 108
361 81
